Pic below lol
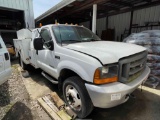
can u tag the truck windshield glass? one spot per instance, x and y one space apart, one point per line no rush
72 34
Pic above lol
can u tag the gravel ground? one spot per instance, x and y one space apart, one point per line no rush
15 102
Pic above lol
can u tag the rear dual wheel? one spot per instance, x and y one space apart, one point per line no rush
76 96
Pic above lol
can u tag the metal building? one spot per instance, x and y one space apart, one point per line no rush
119 18
15 15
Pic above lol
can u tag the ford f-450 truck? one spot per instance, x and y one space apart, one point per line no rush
89 71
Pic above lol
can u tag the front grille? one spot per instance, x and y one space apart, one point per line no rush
132 67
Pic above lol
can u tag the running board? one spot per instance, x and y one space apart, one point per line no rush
49 78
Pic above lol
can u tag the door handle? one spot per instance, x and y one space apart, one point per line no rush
6 56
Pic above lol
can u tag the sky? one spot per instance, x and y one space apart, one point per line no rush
41 6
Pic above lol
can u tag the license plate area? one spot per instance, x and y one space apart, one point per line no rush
116 96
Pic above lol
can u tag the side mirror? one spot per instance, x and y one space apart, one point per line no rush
38 44
51 43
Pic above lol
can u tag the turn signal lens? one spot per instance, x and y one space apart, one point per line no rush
97 74
98 79
40 25
106 80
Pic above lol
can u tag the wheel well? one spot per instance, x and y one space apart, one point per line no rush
64 74
19 55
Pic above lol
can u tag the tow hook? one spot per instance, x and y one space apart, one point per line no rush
131 96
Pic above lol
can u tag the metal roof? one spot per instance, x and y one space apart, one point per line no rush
77 11
57 7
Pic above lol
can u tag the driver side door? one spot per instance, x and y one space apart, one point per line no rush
46 57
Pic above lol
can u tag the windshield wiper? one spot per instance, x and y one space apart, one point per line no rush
71 41
94 40
91 40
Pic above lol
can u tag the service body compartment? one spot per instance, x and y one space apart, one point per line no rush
24 34
22 47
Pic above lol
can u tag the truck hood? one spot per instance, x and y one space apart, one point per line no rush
107 52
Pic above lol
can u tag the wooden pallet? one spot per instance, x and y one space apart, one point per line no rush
55 107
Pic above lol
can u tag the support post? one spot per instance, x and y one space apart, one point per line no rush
131 22
107 22
94 18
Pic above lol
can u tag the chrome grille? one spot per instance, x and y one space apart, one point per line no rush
132 67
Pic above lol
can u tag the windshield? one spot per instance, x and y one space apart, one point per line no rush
72 34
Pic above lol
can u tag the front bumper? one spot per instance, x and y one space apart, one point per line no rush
101 94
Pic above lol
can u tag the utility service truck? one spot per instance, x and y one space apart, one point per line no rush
89 71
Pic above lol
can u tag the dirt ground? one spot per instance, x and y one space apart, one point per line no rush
15 101
146 106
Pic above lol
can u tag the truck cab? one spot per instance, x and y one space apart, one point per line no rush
90 72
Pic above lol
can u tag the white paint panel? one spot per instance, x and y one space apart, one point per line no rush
20 4
31 13
24 5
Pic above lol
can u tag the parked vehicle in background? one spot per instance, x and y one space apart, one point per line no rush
89 71
11 50
5 65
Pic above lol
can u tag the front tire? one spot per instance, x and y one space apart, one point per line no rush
76 96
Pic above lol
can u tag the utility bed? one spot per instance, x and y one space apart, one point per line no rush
23 46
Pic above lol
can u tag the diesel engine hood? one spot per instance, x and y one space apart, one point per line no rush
107 52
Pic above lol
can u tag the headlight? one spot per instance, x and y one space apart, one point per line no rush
106 74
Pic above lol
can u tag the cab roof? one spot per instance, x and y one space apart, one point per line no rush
61 25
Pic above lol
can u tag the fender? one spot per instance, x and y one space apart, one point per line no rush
74 67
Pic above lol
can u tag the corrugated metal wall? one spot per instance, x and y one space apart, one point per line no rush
151 14
86 24
25 5
119 22
122 21
101 25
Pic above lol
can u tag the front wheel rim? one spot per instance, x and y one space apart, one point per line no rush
73 98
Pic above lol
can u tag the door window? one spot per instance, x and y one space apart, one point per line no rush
45 34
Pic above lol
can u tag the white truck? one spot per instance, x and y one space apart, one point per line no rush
5 64
89 71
